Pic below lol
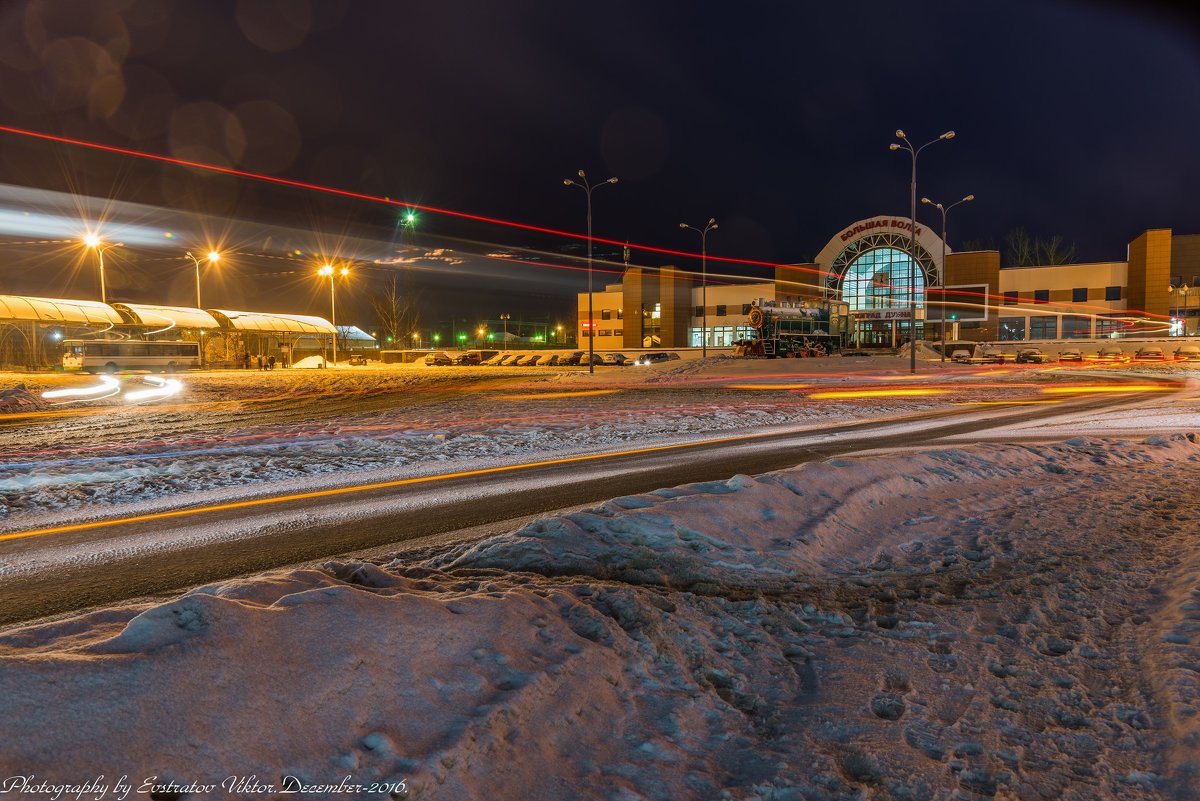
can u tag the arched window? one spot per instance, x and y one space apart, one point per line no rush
880 279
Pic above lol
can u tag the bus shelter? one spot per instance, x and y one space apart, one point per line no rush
33 327
284 336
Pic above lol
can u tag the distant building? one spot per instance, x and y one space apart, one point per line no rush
1154 292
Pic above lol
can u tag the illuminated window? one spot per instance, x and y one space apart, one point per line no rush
879 279
620 314
1012 328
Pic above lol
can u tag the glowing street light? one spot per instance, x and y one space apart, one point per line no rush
416 339
912 238
213 258
945 210
710 226
94 242
583 184
329 271
505 318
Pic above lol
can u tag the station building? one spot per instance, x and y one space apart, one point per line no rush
1153 292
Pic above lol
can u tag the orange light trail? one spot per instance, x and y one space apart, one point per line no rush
1108 388
875 393
544 395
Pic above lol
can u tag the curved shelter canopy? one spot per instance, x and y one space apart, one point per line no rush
166 316
272 323
57 310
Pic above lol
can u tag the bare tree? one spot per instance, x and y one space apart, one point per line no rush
396 313
1051 251
1019 248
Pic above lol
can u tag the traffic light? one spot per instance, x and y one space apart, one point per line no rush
953 316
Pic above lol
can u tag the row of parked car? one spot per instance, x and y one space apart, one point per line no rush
545 359
1110 353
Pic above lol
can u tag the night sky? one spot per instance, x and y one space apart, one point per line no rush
1077 119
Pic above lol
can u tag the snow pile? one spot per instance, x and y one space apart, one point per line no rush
20 399
1016 622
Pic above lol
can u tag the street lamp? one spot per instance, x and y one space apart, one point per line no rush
583 184
213 258
711 225
328 270
505 318
945 210
912 238
95 243
417 340
558 334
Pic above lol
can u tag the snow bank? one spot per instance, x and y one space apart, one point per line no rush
1016 622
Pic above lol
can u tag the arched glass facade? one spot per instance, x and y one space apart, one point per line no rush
879 279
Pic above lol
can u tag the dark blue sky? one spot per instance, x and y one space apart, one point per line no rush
1073 118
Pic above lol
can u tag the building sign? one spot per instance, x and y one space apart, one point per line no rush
886 314
890 224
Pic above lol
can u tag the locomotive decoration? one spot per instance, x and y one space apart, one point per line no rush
807 328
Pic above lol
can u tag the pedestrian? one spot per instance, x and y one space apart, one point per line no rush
245 360
271 362
260 362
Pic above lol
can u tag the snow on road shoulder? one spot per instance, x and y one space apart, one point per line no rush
1010 622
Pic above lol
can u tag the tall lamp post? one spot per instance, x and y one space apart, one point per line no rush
213 258
505 318
588 188
328 270
912 238
709 226
945 210
95 243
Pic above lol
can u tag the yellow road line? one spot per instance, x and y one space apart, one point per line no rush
300 496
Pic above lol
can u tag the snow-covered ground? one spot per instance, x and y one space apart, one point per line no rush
244 434
985 621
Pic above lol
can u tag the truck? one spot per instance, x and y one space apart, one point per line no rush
805 328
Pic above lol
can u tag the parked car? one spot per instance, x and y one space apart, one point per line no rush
994 356
1150 353
495 360
527 359
509 359
673 356
1033 356
571 359
617 359
961 356
1189 353
856 353
547 360
466 357
357 360
653 358
437 360
1111 353
1070 355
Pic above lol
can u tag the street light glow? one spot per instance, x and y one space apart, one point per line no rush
92 241
326 270
213 257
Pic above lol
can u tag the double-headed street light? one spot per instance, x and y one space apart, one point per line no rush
709 226
95 243
213 258
505 318
912 237
329 271
583 184
945 210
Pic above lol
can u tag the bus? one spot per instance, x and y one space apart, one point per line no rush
111 355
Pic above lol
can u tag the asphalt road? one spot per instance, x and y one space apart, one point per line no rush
139 558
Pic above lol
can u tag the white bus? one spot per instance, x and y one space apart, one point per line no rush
112 355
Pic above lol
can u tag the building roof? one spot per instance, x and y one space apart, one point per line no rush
57 310
272 323
166 316
353 333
